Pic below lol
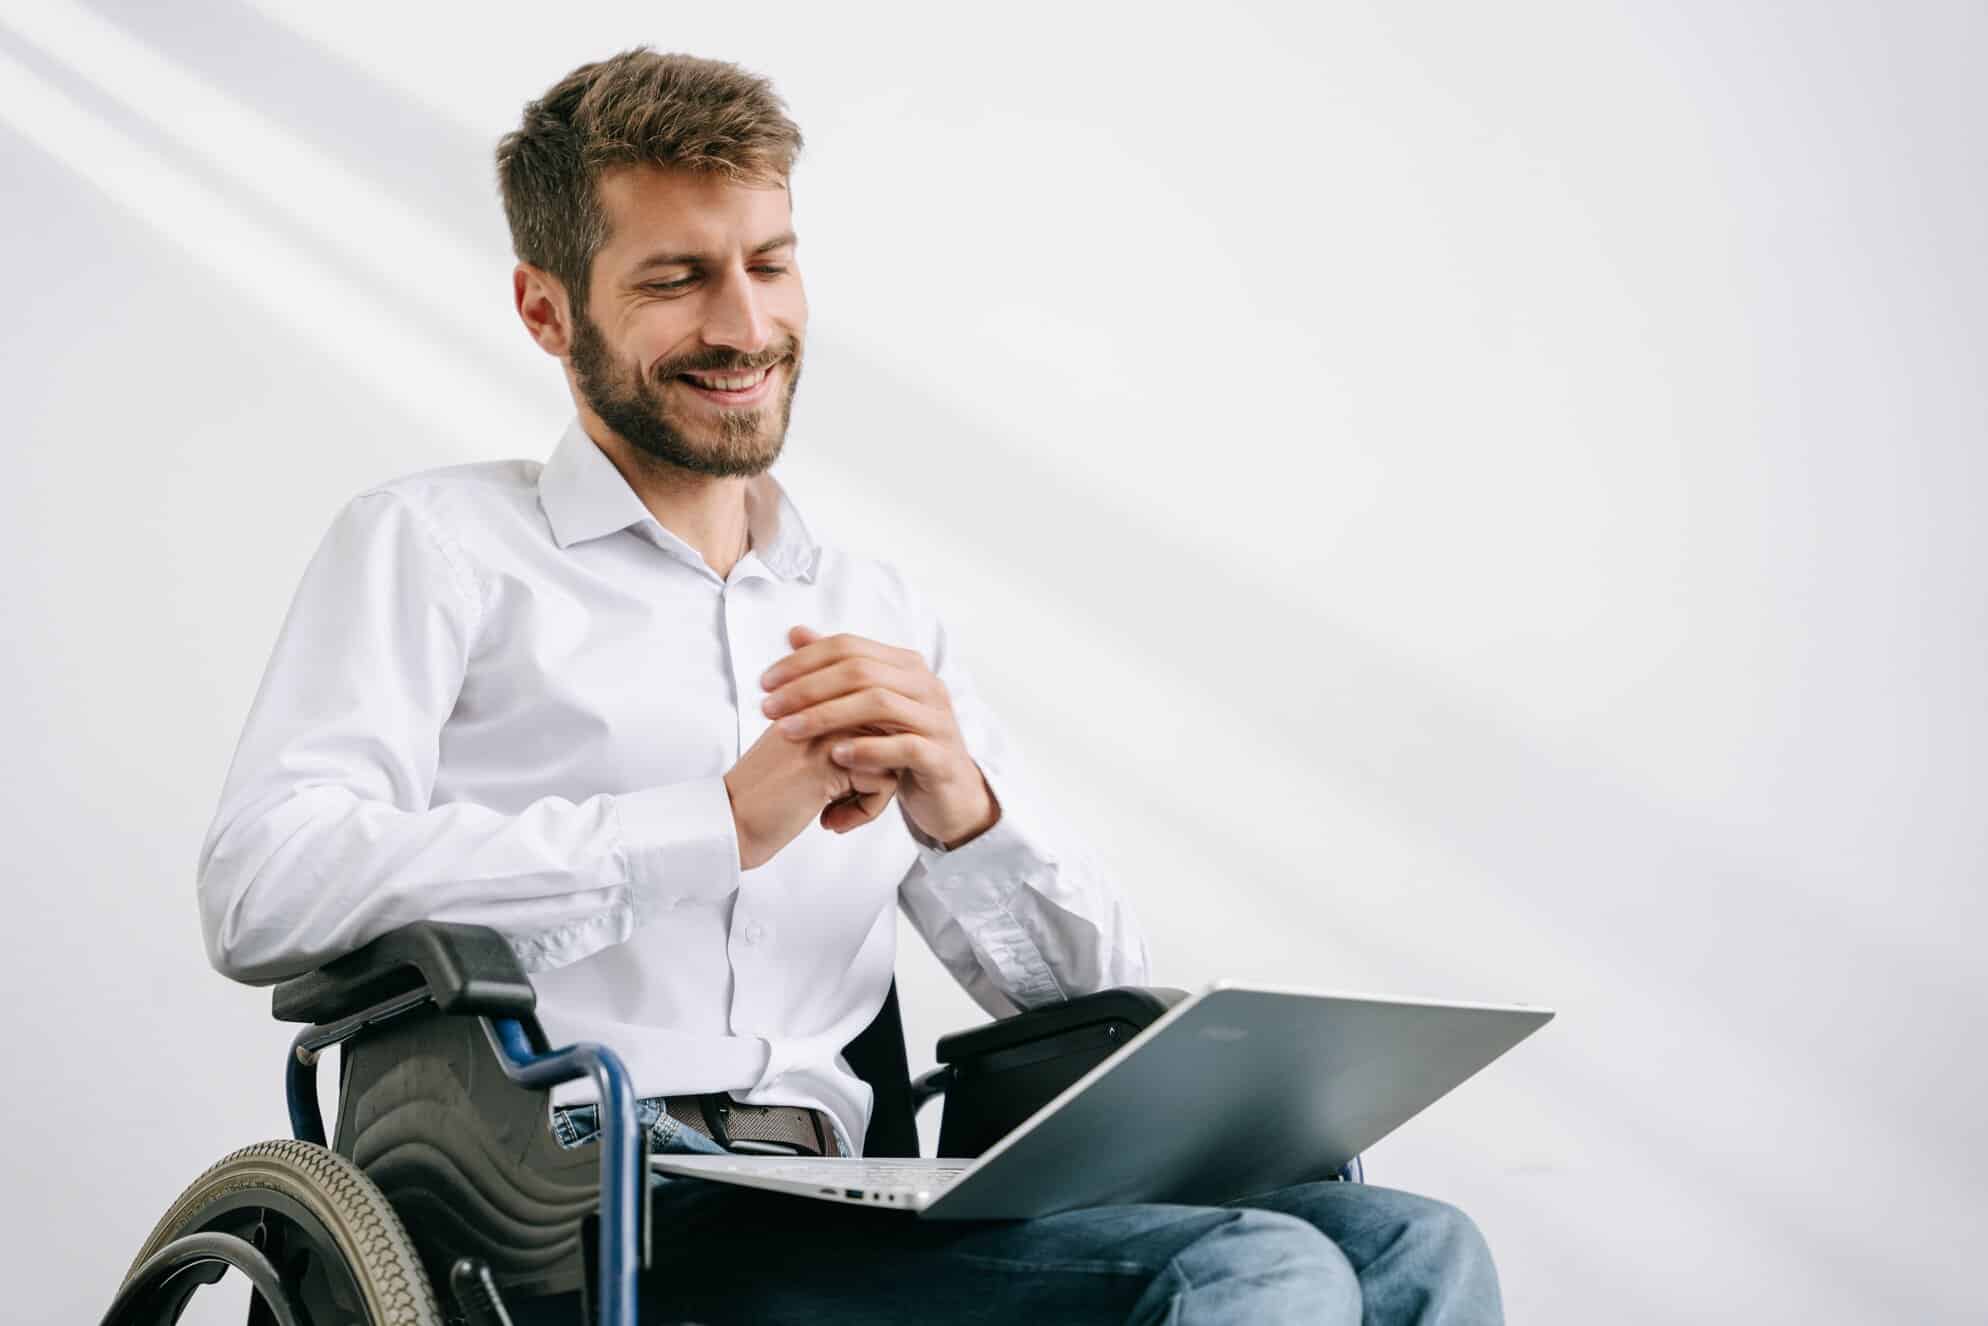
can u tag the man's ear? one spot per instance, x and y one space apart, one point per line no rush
543 308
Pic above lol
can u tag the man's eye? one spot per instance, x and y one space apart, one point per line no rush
684 283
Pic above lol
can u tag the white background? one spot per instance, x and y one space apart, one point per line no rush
1473 501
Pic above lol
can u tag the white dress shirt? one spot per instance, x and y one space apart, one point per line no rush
506 695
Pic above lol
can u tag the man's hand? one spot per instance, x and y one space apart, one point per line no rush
885 713
779 785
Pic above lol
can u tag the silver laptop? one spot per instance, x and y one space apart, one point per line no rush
1236 1090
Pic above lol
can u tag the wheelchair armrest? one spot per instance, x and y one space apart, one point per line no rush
1136 1007
996 1075
464 968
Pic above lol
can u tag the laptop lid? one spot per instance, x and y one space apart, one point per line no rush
1237 1090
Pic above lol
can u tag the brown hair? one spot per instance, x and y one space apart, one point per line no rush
637 107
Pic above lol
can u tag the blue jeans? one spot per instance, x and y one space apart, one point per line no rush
1324 1252
577 1125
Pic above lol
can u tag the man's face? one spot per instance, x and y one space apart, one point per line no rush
690 345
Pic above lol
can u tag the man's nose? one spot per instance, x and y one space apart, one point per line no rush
736 316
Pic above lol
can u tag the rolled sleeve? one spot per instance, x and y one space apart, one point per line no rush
1025 913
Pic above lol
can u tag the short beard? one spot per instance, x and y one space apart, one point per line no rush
747 441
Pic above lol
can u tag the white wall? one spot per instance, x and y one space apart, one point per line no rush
1475 501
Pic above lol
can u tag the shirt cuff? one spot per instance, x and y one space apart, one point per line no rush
678 843
1002 843
980 881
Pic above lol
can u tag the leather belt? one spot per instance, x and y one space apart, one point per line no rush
779 1130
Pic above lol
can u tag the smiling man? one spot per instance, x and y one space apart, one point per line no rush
623 708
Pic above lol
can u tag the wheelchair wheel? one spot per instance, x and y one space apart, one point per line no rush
338 1248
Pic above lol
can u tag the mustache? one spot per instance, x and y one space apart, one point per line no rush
720 362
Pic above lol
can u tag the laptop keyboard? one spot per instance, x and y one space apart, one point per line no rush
918 1176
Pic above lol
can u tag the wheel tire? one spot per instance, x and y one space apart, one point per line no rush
369 1238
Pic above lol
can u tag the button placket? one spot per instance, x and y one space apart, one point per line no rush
755 623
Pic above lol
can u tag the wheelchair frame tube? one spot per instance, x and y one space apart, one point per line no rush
300 1081
623 1168
300 1085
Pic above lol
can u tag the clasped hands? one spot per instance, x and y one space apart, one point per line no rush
857 723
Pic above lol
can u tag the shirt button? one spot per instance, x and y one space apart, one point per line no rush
754 932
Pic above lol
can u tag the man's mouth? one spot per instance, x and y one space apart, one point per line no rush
730 388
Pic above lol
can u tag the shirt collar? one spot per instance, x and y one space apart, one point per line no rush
584 497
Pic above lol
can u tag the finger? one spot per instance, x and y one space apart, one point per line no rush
849 675
872 712
871 780
904 752
865 782
823 650
853 811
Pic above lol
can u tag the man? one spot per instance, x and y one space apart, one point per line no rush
622 708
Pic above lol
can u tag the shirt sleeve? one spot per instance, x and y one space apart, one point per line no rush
1026 913
325 837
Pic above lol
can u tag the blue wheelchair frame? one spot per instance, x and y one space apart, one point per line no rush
624 1167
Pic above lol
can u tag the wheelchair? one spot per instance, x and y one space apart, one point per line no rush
446 1198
